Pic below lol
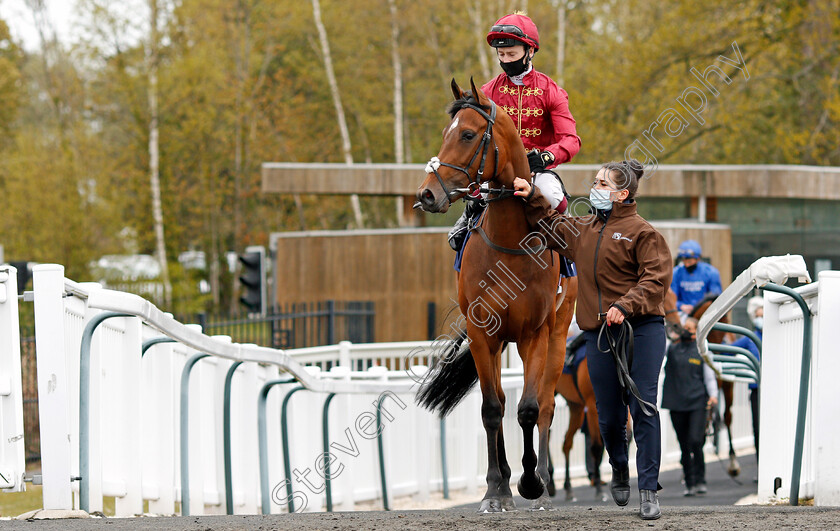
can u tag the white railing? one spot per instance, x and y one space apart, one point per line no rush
781 369
135 414
12 458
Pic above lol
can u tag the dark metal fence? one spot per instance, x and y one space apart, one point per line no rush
296 325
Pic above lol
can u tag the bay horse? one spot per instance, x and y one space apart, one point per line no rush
507 290
715 336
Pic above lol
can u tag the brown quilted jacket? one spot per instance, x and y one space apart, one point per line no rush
622 262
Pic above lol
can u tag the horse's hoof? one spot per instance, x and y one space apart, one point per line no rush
508 504
570 496
542 504
551 489
734 468
490 505
530 486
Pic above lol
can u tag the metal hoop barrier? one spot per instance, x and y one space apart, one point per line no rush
804 378
325 430
284 433
379 444
444 471
149 343
226 435
735 329
262 436
751 362
185 432
84 405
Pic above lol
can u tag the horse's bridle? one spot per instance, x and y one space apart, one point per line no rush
475 183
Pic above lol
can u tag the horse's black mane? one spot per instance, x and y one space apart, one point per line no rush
460 103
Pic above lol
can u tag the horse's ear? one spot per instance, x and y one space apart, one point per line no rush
456 90
479 95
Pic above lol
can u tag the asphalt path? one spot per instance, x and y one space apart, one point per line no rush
723 489
711 518
700 514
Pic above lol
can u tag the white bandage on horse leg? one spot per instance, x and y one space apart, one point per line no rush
550 187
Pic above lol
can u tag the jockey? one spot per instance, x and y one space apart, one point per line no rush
693 278
539 108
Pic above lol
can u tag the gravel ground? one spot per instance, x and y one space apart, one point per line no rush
597 518
715 514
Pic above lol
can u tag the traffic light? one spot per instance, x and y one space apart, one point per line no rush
253 279
24 274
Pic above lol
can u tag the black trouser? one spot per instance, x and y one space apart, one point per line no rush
754 408
690 427
649 338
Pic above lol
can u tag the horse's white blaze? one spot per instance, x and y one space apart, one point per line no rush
453 125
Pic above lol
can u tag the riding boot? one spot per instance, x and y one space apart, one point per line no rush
620 485
649 505
458 233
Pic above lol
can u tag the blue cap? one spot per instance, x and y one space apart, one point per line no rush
689 249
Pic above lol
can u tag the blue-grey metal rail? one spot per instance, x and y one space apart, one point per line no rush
185 431
84 405
226 435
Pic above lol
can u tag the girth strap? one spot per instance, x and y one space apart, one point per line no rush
530 250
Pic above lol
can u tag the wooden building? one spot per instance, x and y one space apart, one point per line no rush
758 210
404 271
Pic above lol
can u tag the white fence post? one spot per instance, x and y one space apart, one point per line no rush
12 456
128 413
53 396
826 395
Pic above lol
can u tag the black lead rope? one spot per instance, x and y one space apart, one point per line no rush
621 348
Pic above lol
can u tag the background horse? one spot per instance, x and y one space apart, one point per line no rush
715 336
507 294
576 389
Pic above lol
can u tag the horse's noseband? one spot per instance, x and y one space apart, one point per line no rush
475 183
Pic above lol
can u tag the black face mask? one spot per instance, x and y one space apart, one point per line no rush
691 268
685 335
514 68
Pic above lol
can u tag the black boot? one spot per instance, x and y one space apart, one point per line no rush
649 505
458 233
620 485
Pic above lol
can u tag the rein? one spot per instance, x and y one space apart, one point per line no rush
621 348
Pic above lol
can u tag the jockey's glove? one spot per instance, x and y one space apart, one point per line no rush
538 160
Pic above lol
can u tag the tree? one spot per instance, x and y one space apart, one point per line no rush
154 174
336 97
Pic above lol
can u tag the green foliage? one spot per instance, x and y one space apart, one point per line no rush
244 82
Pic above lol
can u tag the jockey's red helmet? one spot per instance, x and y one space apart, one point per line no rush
511 30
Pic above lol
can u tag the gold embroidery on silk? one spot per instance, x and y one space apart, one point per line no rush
504 89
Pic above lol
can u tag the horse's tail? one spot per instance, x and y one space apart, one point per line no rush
450 379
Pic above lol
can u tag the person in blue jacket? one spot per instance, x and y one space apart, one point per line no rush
693 279
755 309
